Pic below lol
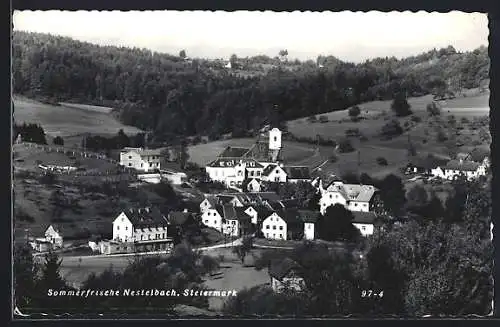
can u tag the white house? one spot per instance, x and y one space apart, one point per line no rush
274 173
212 217
274 227
145 229
54 236
250 211
236 221
208 203
353 197
364 222
285 275
235 164
454 168
140 159
251 185
309 218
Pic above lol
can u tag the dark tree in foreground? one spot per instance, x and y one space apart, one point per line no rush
392 193
354 112
25 276
336 224
244 248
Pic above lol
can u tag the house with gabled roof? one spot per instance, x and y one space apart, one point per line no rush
455 168
286 275
297 174
142 229
209 202
365 222
354 197
251 185
236 221
54 235
424 164
274 173
140 159
235 164
212 217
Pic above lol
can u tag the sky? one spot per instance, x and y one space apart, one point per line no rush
350 36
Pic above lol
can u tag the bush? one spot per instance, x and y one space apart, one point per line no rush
323 119
58 141
441 136
363 138
464 120
433 109
345 146
391 129
333 158
352 132
354 112
382 161
416 119
312 119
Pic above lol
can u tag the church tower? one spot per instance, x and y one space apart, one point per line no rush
274 139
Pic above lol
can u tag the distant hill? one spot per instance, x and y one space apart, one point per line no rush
173 96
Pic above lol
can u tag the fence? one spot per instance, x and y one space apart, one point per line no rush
70 151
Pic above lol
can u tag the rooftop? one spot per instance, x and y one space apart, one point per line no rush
280 268
364 217
353 192
462 165
146 217
233 152
298 172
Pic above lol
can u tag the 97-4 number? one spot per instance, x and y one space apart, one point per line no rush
371 293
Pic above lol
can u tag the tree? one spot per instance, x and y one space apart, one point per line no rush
182 54
354 112
345 146
233 60
283 54
58 141
25 277
433 109
336 224
392 193
244 248
400 105
417 199
391 129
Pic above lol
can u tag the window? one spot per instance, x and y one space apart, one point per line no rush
129 164
126 227
274 226
130 157
363 228
233 223
142 164
310 226
275 138
274 235
281 236
142 237
117 227
267 226
277 179
215 222
281 227
258 173
267 235
331 196
206 221
355 204
251 172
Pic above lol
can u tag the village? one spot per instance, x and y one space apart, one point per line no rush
245 209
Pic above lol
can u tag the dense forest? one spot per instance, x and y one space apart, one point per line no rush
173 95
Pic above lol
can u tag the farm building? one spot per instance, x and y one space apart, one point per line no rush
354 197
285 275
212 217
228 219
140 159
455 168
297 174
424 165
282 225
53 239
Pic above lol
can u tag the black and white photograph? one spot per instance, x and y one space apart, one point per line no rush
251 164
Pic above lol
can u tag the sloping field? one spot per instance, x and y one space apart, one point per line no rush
66 120
202 154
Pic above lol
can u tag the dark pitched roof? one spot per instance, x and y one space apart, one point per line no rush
235 213
276 205
178 217
291 203
298 172
233 152
212 200
269 169
247 181
262 211
224 162
267 196
364 217
291 216
309 216
145 217
462 166
280 268
225 199
219 208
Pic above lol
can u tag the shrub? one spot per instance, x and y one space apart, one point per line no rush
382 161
352 132
464 120
416 119
333 158
354 112
433 109
391 129
441 136
312 119
58 141
345 146
363 138
400 105
323 119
